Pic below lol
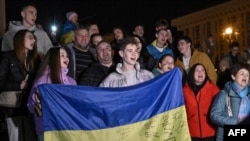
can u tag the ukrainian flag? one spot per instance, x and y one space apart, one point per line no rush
150 111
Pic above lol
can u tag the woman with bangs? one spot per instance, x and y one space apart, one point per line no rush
199 92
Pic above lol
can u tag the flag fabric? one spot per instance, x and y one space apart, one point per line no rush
150 111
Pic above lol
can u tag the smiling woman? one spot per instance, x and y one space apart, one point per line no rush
53 70
199 92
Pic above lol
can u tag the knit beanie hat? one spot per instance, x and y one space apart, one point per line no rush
70 15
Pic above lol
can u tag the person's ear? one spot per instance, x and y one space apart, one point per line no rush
233 77
22 14
156 35
121 53
159 65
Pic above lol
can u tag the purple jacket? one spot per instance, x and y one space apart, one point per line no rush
45 79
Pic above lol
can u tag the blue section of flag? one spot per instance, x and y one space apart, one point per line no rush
68 107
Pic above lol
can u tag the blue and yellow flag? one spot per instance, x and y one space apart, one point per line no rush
150 111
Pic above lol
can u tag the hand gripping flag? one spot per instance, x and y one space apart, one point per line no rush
150 111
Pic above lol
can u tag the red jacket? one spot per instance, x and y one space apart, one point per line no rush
197 109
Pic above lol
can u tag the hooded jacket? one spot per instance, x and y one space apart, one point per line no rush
118 78
198 108
155 53
43 40
45 79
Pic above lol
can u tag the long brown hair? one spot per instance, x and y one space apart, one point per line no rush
19 47
53 63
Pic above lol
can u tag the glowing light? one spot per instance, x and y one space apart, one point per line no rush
229 30
53 28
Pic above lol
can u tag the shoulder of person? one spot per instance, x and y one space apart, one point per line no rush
39 32
7 54
147 72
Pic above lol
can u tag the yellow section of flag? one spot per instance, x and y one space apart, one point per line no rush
168 126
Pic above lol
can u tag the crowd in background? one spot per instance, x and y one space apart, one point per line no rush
85 56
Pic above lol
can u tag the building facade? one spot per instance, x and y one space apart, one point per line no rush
225 22
2 18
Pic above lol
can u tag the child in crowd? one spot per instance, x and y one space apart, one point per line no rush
128 72
53 70
165 64
70 25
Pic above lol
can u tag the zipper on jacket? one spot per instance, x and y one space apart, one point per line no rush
198 103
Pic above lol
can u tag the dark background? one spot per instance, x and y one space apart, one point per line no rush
108 13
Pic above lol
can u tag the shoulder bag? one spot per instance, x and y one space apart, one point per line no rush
11 98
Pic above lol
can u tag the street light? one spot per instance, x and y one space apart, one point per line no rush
229 30
228 33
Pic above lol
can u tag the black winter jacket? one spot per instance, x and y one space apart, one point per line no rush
12 73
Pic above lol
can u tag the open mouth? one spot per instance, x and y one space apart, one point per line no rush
66 63
163 40
200 76
133 59
244 80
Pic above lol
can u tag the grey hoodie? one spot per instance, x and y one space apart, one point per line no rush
120 78
43 40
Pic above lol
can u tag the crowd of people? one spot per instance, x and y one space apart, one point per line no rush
83 56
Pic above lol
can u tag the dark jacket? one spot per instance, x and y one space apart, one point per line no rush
115 46
12 73
94 74
78 60
146 60
223 77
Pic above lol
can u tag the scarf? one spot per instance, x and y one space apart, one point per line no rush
244 110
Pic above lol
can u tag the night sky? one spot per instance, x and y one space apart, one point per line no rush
110 12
